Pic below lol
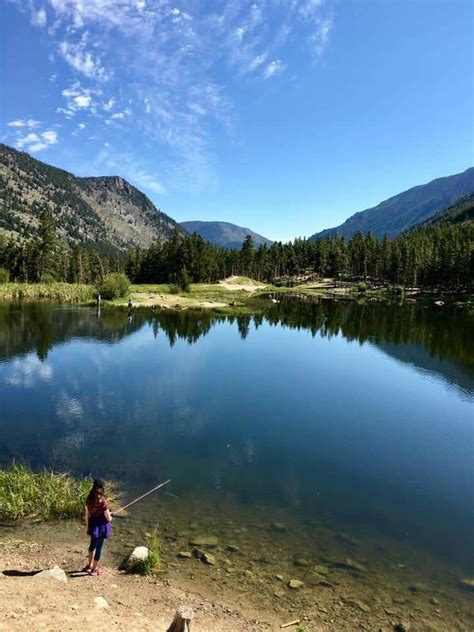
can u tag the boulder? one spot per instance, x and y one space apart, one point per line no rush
53 573
204 540
139 554
295 584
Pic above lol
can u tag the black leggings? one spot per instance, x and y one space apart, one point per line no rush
96 545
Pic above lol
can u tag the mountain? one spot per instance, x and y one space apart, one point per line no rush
460 211
224 234
104 212
401 212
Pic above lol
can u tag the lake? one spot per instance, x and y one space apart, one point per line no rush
319 430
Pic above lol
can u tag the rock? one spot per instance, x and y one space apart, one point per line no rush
184 533
207 558
233 548
139 554
295 584
248 573
279 526
467 582
346 538
320 570
204 540
401 627
351 565
54 573
417 588
278 594
197 553
434 601
184 554
299 561
279 577
100 603
357 603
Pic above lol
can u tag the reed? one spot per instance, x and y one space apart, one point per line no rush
57 292
44 495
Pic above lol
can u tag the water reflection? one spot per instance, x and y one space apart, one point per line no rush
302 407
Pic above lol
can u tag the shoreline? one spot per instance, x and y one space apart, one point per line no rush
233 296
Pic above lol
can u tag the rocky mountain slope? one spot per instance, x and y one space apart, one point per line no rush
105 212
401 212
224 234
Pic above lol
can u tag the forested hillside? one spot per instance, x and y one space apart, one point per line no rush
106 213
401 212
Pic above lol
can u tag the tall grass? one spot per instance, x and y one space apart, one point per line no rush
152 564
58 292
44 495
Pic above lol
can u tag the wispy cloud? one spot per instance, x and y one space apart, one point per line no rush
30 123
166 61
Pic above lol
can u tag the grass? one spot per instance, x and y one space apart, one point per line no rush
46 495
152 564
58 292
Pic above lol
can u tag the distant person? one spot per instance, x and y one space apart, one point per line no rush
99 299
98 521
130 304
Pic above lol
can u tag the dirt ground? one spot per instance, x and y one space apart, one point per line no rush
133 602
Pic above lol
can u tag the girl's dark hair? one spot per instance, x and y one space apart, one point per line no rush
97 491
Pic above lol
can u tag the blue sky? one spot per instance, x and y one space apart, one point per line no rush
285 116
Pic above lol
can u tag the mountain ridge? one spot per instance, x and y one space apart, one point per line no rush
105 212
224 234
406 209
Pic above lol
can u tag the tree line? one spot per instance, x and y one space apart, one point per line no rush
437 255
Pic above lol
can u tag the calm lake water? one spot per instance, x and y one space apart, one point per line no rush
356 417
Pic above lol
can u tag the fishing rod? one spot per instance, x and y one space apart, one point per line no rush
140 497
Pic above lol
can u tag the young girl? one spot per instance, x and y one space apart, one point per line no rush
98 519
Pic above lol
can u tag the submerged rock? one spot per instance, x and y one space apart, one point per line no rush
357 603
299 561
295 584
204 540
319 569
467 582
279 526
233 548
56 573
351 565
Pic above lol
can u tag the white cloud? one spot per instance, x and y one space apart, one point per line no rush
35 142
83 60
39 18
83 100
108 105
275 67
30 123
79 99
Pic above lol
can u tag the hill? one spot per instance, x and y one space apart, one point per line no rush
103 212
224 234
401 212
459 212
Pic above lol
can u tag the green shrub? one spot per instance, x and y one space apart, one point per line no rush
45 494
396 292
362 287
174 289
184 280
152 564
115 285
4 275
